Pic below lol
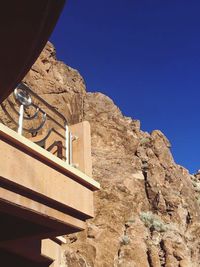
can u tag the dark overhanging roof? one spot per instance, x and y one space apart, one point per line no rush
25 26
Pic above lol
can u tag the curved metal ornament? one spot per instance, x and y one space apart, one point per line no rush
22 106
24 100
22 96
35 115
35 130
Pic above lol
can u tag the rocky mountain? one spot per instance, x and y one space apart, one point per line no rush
147 211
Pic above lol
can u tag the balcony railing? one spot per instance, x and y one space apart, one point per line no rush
30 115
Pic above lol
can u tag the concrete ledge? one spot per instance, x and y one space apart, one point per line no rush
32 172
47 157
31 210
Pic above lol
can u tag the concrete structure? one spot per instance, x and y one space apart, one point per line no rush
25 28
42 197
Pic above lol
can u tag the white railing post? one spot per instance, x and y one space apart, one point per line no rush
67 143
70 149
20 123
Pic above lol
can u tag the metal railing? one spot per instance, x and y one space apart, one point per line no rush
30 115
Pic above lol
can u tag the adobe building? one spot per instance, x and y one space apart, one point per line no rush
45 165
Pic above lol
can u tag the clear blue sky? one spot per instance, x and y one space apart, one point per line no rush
145 55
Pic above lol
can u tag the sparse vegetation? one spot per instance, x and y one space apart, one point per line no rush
145 141
196 185
153 222
125 240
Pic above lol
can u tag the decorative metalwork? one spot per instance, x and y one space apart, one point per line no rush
24 99
22 95
32 116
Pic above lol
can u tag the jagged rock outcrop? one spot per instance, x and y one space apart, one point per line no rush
147 211
61 85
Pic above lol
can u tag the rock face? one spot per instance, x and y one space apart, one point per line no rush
147 211
60 85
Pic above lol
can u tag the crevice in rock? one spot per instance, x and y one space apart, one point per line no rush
125 238
123 242
57 93
188 219
34 70
119 252
162 254
146 182
149 258
117 259
82 108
